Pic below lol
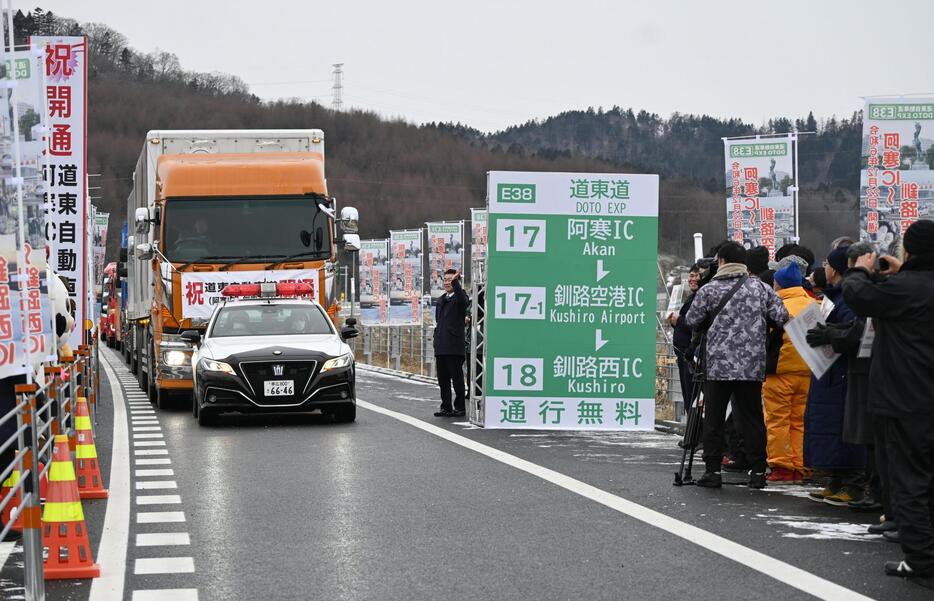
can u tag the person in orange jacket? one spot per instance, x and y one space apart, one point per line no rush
785 391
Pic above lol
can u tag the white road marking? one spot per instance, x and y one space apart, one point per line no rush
157 461
148 435
779 570
111 554
160 472
160 517
144 452
167 594
148 443
146 429
158 499
164 565
156 484
163 539
5 550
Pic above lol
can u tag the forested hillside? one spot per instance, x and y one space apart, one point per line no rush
399 174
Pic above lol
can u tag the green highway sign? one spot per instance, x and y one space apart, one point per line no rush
570 300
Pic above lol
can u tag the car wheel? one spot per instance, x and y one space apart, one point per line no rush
345 414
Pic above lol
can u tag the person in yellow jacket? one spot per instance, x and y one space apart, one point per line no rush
785 391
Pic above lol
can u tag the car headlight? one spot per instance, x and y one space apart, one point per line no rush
176 358
337 362
212 365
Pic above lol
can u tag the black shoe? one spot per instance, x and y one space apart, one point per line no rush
710 480
883 527
901 568
756 479
458 413
892 536
444 413
867 504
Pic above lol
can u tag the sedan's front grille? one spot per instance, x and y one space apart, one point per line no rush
258 372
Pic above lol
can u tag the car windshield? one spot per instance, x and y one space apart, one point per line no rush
220 229
270 320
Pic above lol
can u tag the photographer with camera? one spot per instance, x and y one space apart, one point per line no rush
902 379
733 310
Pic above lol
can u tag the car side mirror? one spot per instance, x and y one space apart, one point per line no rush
348 332
191 336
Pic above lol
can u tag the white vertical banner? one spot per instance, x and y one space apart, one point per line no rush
374 281
478 221
405 276
445 251
760 189
66 82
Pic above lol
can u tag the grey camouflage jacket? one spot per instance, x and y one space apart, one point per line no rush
736 339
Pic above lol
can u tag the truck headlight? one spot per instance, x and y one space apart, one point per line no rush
337 362
176 358
212 365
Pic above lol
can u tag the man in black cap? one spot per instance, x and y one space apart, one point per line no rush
902 380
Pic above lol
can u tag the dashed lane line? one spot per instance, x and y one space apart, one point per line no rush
113 548
158 500
160 517
166 594
164 565
145 432
774 568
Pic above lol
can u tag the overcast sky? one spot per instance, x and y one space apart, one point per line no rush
492 64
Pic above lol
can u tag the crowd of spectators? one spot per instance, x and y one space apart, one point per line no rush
863 432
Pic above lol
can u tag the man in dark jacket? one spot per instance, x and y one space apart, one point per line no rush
734 359
901 380
450 344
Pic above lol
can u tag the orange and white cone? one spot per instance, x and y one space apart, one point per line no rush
8 485
64 533
90 484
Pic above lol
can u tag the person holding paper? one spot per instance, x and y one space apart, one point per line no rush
824 448
785 391
902 380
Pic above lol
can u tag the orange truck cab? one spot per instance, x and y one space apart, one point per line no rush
261 214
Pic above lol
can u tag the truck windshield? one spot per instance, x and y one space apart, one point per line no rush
218 229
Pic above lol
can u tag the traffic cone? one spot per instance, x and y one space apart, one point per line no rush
5 488
64 534
90 484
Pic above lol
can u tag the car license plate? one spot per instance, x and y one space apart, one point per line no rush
279 387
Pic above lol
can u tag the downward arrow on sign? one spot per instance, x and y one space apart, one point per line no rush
599 342
601 272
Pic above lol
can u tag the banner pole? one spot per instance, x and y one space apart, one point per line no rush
22 268
794 144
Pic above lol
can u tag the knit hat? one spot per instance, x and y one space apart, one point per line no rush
757 259
837 259
788 276
919 237
802 264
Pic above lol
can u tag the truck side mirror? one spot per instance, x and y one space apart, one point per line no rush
144 252
351 242
349 220
121 269
141 220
